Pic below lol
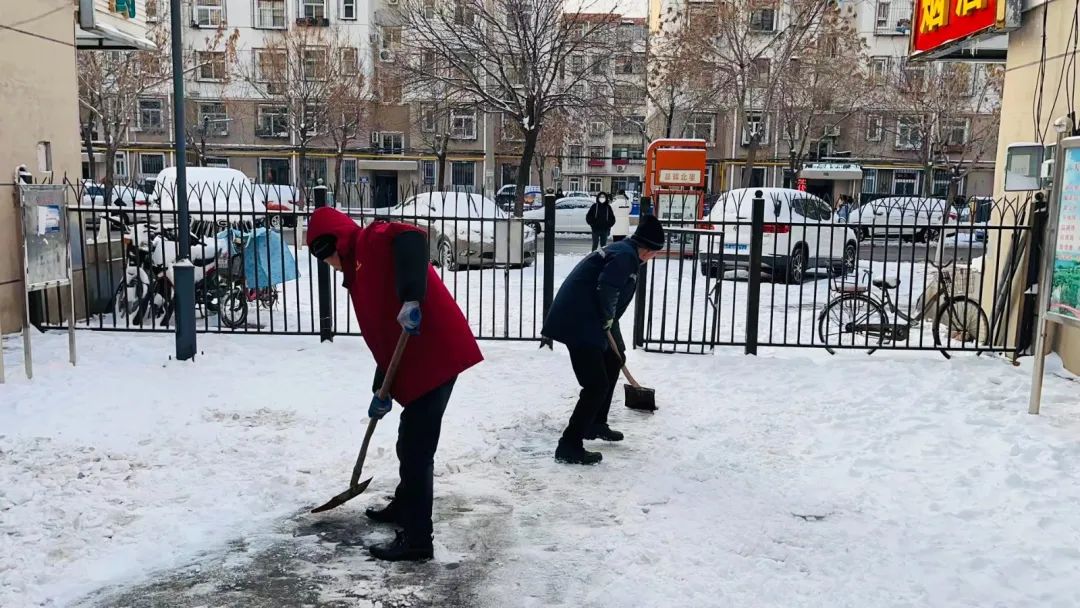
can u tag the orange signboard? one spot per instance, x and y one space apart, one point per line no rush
675 164
940 25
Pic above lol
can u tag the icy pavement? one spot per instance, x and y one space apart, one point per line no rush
793 479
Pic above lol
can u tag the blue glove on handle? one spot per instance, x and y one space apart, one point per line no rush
379 407
409 317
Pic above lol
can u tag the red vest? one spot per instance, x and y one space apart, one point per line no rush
445 347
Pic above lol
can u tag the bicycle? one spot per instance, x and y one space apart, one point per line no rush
856 317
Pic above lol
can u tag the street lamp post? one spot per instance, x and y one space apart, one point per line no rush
184 271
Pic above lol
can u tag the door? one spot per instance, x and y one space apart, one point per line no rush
384 188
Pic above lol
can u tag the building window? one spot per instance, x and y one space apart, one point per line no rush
629 95
213 118
881 19
151 164
913 78
350 61
463 124
874 125
908 133
700 126
313 9
211 65
270 66
216 161
429 172
392 143
270 14
151 115
348 9
597 153
869 181
628 126
429 120
757 124
574 158
905 182
763 20
153 15
209 13
599 66
313 170
879 69
463 173
596 184
348 171
314 66
941 183
577 63
120 165
628 152
274 171
757 177
272 121
573 183
956 131
463 13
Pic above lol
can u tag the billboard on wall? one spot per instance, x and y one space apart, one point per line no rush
939 26
1065 271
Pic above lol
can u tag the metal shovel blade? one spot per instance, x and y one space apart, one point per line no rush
640 398
344 497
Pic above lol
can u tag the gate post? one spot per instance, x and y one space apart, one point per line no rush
549 250
753 294
644 209
326 317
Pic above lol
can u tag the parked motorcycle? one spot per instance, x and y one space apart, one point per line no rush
149 277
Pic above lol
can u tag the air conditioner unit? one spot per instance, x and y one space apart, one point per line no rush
386 55
832 131
376 138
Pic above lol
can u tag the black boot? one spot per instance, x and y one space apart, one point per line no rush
603 431
576 454
404 549
386 515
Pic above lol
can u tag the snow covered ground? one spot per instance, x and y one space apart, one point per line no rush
793 479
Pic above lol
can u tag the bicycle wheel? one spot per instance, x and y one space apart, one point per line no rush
233 308
961 324
852 320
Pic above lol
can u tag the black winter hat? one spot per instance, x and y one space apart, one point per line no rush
649 233
324 246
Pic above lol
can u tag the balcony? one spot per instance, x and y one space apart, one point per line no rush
597 163
893 18
620 162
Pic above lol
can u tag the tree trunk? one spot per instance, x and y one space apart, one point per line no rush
748 166
440 154
531 137
88 141
301 179
339 159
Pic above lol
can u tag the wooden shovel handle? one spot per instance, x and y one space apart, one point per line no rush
615 347
384 392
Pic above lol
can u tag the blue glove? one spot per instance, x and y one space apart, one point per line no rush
379 407
409 317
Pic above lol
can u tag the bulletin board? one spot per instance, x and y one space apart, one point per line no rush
47 262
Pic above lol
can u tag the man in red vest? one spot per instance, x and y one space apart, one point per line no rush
392 285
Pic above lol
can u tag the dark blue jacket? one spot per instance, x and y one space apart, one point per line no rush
600 287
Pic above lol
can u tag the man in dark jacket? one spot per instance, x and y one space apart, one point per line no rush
393 287
600 219
588 305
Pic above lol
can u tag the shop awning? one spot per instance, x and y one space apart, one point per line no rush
833 171
386 165
103 36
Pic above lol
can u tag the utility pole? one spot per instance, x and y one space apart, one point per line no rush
184 271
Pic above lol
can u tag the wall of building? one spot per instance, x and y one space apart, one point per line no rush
37 60
1022 110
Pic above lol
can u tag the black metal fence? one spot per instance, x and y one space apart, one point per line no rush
895 273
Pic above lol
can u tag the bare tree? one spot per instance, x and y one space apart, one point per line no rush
681 81
945 112
754 45
826 84
509 57
347 105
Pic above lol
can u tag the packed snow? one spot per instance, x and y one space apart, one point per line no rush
789 479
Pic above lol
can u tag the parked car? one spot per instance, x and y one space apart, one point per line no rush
963 224
221 196
909 217
578 194
569 215
461 228
506 195
798 235
123 197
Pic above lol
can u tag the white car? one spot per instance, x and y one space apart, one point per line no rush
569 215
222 197
461 227
799 234
123 197
909 217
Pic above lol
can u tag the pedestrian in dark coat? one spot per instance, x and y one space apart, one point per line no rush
588 305
393 287
600 218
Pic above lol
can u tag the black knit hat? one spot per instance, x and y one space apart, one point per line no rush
323 247
649 233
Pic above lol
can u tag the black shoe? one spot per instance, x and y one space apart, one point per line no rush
603 431
385 515
568 454
402 549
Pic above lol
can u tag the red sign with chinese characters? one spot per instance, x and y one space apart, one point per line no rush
939 22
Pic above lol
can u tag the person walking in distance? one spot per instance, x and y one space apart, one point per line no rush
393 288
588 305
600 219
621 207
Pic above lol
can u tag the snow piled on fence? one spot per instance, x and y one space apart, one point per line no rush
791 479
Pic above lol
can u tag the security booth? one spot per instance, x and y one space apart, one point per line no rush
675 189
828 181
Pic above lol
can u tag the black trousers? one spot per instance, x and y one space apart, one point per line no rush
418 438
599 239
597 372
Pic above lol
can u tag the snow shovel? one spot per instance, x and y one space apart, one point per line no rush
356 489
637 397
